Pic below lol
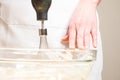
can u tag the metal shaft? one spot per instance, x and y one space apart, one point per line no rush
42 24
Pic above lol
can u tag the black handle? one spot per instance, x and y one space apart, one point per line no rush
41 7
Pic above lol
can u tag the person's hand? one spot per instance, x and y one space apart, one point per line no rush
82 26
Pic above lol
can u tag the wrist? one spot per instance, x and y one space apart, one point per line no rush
96 2
91 2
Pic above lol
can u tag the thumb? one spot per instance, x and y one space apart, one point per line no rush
65 38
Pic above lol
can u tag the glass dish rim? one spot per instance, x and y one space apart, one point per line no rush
38 60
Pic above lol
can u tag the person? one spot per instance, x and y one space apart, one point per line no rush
73 21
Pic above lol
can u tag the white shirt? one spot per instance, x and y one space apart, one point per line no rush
19 27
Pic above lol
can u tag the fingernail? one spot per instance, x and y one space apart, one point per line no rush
95 45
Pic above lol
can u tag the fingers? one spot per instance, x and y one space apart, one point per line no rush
87 38
65 38
80 36
72 36
83 36
94 37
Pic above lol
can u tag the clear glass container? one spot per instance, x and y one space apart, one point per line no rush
46 64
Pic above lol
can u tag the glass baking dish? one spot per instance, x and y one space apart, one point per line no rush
45 64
